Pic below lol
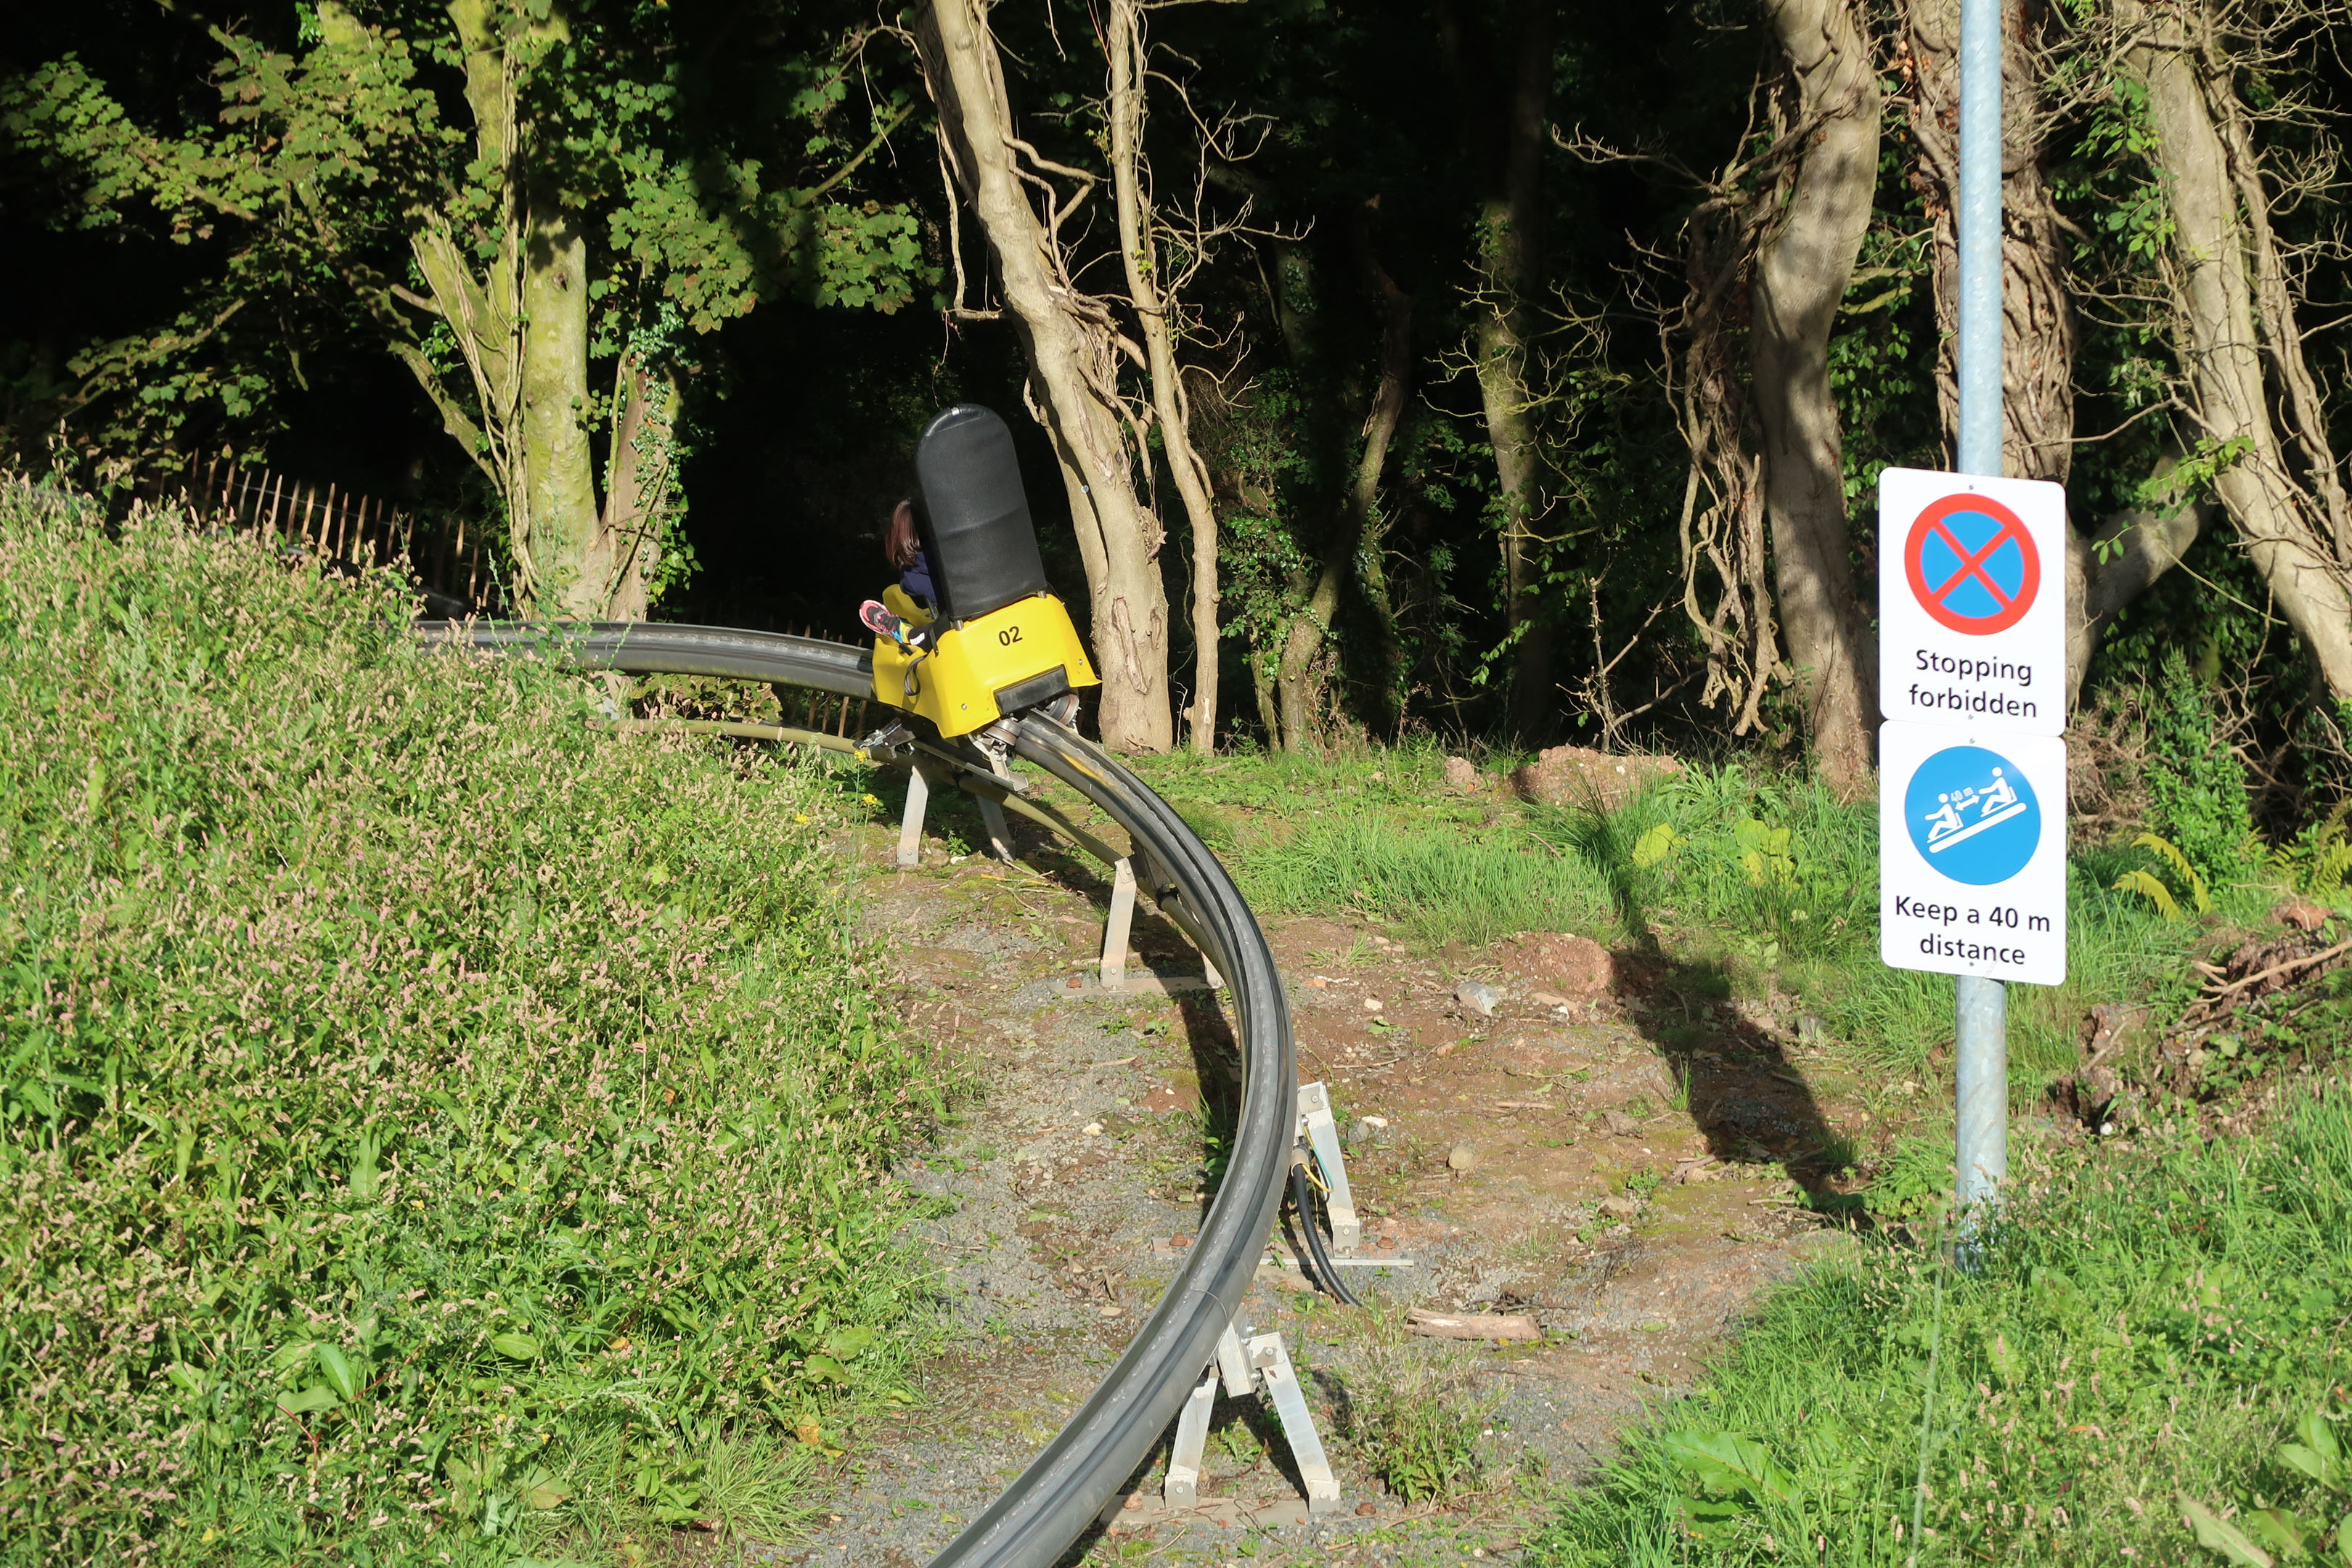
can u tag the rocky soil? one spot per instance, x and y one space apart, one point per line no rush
1541 1128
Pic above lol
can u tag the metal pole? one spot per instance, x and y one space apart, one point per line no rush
1981 1073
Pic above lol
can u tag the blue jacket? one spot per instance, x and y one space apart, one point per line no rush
915 582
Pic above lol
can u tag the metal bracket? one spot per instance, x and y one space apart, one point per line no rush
1262 1364
891 743
1320 1132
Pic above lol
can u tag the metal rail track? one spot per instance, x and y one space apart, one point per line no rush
1053 1502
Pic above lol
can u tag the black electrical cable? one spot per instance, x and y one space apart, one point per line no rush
1302 1199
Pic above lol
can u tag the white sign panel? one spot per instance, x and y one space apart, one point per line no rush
1973 601
1972 852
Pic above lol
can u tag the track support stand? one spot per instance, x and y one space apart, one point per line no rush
1117 926
910 825
920 780
1259 1364
1320 1132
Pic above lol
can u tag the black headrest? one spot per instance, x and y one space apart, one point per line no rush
978 533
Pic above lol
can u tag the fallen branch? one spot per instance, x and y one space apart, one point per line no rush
1473 1325
2292 965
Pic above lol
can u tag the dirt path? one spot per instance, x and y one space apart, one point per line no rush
1596 1161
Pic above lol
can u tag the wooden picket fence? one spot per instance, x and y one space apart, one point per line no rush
342 525
808 709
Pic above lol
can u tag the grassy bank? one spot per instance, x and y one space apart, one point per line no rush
430 1130
1762 879
2157 1331
2149 1364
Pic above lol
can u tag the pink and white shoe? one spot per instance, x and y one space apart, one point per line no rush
878 620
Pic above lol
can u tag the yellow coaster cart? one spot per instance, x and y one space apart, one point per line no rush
999 643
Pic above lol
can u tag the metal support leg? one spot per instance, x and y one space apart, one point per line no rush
1322 1134
1116 929
1183 1487
1000 837
1273 1364
910 827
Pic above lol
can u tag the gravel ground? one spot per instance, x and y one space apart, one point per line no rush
1068 1193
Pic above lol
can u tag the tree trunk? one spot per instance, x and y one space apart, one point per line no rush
1073 364
1140 250
1269 701
521 327
640 477
1504 127
1359 531
2226 314
557 527
1303 641
1802 268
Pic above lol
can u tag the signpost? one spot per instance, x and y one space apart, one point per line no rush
1972 780
1972 772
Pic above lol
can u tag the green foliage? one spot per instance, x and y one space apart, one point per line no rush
2318 859
2145 1328
1733 1477
2121 172
426 1126
1915 1182
702 176
2318 1462
1414 1423
2151 886
2195 784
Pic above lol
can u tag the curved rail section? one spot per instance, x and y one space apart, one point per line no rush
646 648
1067 1486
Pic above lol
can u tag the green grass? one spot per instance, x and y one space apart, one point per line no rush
1728 869
430 1130
2149 1326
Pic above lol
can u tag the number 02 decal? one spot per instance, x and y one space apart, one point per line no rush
1009 636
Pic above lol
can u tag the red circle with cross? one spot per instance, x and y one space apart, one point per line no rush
1972 564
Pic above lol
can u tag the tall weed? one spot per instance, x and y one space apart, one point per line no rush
2196 785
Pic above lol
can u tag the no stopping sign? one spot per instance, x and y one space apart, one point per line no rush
1971 606
1972 564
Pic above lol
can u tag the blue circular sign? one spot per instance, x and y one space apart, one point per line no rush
1972 815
